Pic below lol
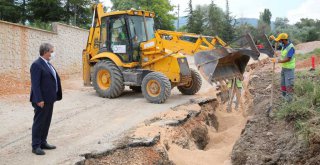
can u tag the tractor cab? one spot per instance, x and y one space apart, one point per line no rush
122 33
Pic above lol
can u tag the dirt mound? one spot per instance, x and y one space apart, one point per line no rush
307 47
307 63
267 140
133 155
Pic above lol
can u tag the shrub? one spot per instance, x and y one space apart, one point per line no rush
304 110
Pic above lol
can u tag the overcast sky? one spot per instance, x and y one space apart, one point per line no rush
292 9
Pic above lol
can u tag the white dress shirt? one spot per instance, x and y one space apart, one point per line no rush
52 70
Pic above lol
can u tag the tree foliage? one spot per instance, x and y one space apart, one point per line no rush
211 20
245 28
163 19
45 10
303 31
78 12
42 12
281 23
9 10
190 24
198 16
265 16
264 24
229 24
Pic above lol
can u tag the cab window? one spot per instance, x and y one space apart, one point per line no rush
119 42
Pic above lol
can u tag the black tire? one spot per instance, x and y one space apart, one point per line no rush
159 80
116 86
136 88
194 86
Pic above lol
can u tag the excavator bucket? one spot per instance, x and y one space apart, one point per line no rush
265 46
227 63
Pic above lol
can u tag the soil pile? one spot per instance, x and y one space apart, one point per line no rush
266 140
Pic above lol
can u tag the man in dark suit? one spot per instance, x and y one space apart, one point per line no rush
45 90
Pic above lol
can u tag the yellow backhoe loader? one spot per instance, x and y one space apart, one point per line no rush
123 49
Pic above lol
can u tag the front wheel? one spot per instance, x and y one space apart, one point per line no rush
156 87
107 79
193 86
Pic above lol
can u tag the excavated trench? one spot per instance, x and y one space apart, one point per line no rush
186 126
198 132
180 136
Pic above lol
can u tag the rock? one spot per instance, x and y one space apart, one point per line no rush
269 86
166 144
254 76
269 134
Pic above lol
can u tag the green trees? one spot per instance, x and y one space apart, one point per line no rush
198 19
190 24
215 20
265 16
205 19
303 31
8 10
77 12
309 28
229 24
45 10
264 24
163 19
211 20
41 12
281 23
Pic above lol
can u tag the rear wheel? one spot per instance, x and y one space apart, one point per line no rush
107 79
193 86
156 87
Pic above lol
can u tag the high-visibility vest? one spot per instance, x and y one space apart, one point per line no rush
290 64
238 84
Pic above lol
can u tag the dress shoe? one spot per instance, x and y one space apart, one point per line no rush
48 146
38 151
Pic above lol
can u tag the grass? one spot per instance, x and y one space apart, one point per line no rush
300 57
41 25
304 110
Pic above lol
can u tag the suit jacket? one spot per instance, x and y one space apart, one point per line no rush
43 83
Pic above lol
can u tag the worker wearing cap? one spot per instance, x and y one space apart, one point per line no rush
288 62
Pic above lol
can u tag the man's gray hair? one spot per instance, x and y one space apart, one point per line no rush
44 48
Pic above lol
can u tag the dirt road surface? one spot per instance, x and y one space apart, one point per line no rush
82 122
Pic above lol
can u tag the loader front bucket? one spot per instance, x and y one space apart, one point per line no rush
226 63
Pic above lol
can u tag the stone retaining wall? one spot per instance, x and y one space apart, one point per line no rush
19 47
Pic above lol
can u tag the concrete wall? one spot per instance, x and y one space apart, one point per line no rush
19 47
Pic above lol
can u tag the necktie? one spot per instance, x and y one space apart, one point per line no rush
54 74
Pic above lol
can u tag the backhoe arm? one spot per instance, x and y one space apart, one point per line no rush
190 43
93 42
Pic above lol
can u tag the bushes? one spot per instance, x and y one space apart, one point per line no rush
308 55
304 110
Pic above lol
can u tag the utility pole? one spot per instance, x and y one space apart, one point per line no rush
178 17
